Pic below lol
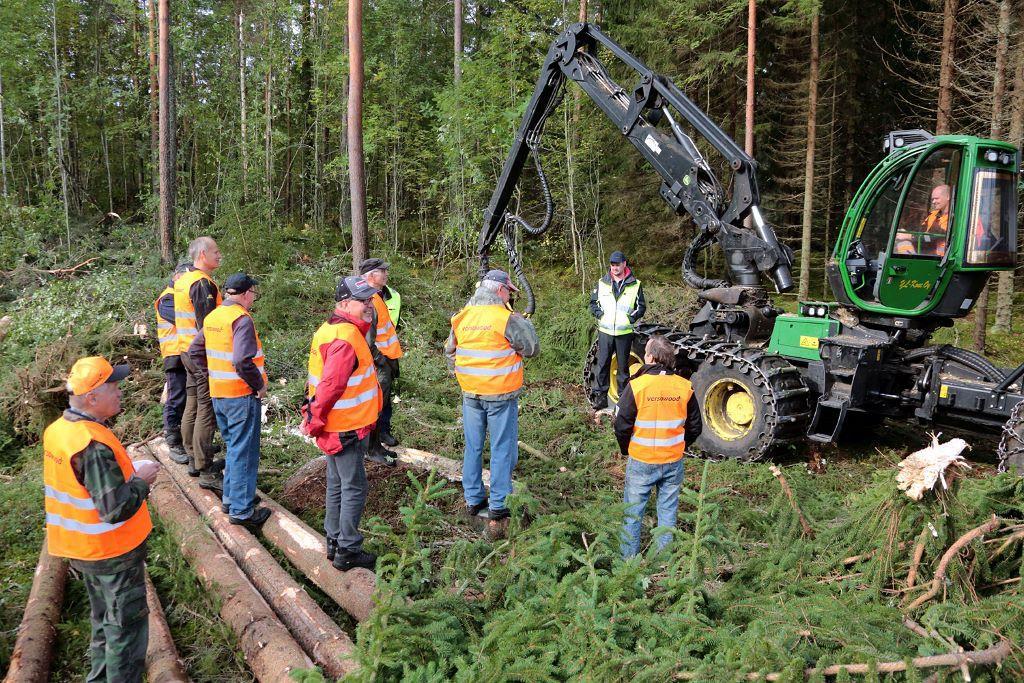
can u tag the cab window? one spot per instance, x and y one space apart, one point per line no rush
992 235
877 223
926 217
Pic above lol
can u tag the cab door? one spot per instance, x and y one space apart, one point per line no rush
918 252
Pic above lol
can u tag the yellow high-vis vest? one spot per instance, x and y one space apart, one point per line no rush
225 382
361 402
73 525
184 311
387 336
166 332
615 312
485 362
659 433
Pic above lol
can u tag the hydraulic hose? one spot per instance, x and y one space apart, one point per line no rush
968 359
689 267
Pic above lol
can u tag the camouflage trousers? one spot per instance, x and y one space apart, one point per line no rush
120 624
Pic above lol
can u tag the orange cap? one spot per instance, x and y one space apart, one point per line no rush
89 373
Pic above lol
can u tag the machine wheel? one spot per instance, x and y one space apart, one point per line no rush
635 360
1011 443
749 408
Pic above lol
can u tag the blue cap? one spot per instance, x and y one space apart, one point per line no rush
617 257
239 283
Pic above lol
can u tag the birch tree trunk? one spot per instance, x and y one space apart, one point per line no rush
812 110
3 151
995 131
268 152
357 178
946 68
167 167
244 148
1004 300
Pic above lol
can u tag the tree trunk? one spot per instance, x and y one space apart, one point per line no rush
995 131
942 113
244 148
3 151
163 664
268 150
812 110
1004 300
60 131
33 650
357 178
748 133
167 132
154 107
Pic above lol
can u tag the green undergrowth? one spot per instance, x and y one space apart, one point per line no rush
740 588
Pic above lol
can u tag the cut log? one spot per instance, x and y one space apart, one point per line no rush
32 655
319 636
268 648
446 467
307 550
163 665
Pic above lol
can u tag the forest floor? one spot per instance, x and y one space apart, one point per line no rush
742 588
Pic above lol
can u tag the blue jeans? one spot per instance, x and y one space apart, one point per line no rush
502 419
239 422
641 477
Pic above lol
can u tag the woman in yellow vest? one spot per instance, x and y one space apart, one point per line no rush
382 338
96 516
485 349
657 414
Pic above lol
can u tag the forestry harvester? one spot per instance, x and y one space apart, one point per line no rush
924 233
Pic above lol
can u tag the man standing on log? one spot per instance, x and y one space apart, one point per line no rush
485 349
195 296
342 407
229 354
657 415
382 339
174 372
617 302
96 516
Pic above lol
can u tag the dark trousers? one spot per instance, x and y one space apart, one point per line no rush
608 345
386 375
174 407
120 624
346 495
199 421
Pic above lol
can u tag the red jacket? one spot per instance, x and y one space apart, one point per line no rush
339 363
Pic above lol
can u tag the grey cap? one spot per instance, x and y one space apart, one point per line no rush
373 264
501 277
354 287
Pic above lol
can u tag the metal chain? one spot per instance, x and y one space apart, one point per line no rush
1010 433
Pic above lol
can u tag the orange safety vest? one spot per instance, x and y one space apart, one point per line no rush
361 402
73 525
166 332
225 382
659 432
943 222
184 311
485 362
387 337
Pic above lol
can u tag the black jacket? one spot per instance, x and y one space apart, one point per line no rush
625 416
617 287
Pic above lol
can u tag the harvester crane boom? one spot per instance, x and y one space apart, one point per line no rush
647 117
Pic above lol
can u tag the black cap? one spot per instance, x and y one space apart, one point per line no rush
373 264
239 283
617 257
354 287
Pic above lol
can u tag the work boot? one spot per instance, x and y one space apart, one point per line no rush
178 454
332 549
253 522
388 439
256 500
478 510
217 465
346 559
497 526
383 456
211 482
192 471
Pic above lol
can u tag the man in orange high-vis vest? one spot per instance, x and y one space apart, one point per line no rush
382 338
96 516
230 355
195 296
657 415
175 377
343 401
485 349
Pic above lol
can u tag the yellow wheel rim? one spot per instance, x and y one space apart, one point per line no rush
635 362
730 409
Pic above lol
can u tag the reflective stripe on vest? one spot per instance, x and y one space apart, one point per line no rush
360 403
615 312
394 304
387 337
485 362
225 382
184 311
166 332
659 432
73 525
